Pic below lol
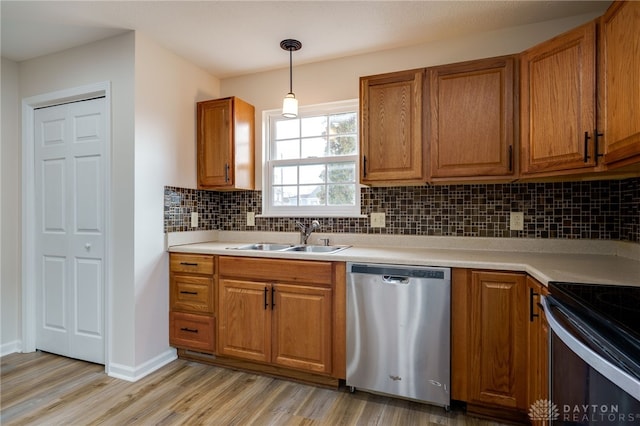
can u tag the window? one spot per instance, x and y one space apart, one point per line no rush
311 162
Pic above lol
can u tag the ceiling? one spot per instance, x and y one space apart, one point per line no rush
231 38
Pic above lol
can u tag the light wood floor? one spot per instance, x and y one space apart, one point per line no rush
43 389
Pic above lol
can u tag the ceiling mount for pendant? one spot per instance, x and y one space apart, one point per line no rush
290 103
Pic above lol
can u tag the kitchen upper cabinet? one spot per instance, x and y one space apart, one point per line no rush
471 116
489 343
278 312
226 148
391 129
192 301
558 104
619 83
538 354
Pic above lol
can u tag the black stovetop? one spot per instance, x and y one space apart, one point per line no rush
617 306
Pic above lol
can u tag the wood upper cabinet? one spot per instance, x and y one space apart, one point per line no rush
277 311
226 147
619 83
471 116
558 104
391 126
538 332
192 301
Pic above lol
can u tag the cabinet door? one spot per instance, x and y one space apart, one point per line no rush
620 83
558 103
471 115
391 148
215 140
302 328
538 331
498 339
244 323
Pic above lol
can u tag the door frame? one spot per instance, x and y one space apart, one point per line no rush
29 260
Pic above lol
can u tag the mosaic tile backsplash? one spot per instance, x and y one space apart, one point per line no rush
608 210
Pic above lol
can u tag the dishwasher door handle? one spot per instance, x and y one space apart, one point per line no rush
391 279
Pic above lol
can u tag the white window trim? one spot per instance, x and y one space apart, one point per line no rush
310 211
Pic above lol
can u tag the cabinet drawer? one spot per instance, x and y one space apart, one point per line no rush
192 293
193 263
192 331
296 271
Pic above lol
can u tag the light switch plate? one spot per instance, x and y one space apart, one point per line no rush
194 219
377 220
516 221
251 219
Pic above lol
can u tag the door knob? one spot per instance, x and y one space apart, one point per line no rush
87 246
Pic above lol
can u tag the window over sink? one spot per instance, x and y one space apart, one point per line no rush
311 162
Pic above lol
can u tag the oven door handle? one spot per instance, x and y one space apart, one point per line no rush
619 377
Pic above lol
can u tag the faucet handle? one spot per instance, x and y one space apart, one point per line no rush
325 241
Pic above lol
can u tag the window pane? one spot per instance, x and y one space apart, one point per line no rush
285 195
343 145
287 129
341 195
342 172
314 126
314 147
311 195
285 175
312 174
343 123
287 149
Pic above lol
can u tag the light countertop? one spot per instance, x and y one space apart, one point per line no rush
600 262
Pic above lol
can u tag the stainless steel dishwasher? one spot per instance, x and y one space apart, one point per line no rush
398 331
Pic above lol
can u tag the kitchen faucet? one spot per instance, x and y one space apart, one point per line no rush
306 230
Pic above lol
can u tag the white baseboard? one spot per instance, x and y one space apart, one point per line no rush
133 374
10 347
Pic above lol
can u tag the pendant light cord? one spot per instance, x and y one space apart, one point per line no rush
290 71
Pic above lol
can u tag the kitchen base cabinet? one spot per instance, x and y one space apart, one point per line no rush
283 314
538 332
489 343
192 301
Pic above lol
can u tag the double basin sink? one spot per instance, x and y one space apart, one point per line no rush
291 248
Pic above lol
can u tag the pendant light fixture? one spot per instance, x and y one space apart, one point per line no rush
290 103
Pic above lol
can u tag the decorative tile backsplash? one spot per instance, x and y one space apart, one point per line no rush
607 210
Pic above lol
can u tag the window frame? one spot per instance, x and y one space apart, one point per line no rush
268 119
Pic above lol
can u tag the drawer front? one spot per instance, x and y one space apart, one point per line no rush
191 331
192 293
192 263
294 271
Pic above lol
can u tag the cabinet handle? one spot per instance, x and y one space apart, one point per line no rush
510 158
532 294
364 166
188 264
226 172
189 292
266 305
596 135
586 147
190 330
273 297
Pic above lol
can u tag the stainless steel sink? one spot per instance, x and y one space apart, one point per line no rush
316 249
264 247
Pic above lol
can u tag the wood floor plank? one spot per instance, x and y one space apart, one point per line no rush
44 389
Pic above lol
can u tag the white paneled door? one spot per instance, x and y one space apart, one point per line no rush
70 140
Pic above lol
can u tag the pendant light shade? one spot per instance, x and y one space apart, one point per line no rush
290 103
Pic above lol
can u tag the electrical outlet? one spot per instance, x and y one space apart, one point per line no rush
251 219
377 220
194 219
516 221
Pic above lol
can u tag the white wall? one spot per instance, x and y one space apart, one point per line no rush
167 89
107 60
10 285
339 79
